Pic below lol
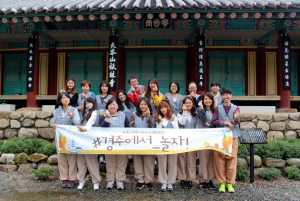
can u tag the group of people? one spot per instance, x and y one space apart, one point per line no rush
143 107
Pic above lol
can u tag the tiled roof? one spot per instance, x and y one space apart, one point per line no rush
29 6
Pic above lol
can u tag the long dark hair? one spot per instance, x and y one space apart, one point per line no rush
138 109
148 93
193 110
127 101
86 116
212 107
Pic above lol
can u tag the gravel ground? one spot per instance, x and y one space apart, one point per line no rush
24 187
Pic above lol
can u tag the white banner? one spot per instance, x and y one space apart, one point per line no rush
141 141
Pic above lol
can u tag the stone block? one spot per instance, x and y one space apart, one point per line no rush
278 126
15 124
273 135
29 115
28 132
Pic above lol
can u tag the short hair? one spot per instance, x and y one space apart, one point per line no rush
107 84
131 78
110 101
215 83
226 90
60 95
73 91
84 82
138 109
192 83
177 84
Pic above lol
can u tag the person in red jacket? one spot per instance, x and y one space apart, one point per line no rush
136 90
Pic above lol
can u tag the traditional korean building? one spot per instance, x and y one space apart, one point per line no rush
251 46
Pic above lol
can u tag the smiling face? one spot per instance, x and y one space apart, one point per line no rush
85 88
173 88
143 106
152 86
207 101
164 110
134 83
88 105
65 100
226 97
122 97
70 84
113 107
192 88
189 104
104 88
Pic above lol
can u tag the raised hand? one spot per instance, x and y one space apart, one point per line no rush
81 129
159 118
107 113
70 114
183 107
166 96
236 114
132 89
173 117
105 101
83 95
147 112
200 104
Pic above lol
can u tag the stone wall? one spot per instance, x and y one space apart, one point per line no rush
26 124
274 125
38 124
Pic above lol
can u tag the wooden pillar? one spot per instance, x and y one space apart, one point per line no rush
261 70
285 97
52 70
31 95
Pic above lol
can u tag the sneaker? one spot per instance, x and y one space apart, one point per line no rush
222 188
120 185
197 163
230 188
110 185
149 186
96 186
189 185
204 186
80 186
163 187
183 184
70 184
140 186
64 184
211 185
101 159
170 187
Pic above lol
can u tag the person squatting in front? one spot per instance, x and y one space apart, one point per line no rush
115 163
143 164
67 163
187 119
167 164
90 118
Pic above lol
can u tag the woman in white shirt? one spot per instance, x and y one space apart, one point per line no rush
187 119
90 118
165 119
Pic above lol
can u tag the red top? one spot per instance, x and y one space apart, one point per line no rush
135 98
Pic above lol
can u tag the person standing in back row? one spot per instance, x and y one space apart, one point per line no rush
174 99
193 93
215 87
136 90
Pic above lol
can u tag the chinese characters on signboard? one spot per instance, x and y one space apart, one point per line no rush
112 61
156 23
200 62
286 63
30 64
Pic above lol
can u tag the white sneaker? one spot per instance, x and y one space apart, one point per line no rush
101 159
110 185
80 186
96 186
170 187
120 185
163 187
